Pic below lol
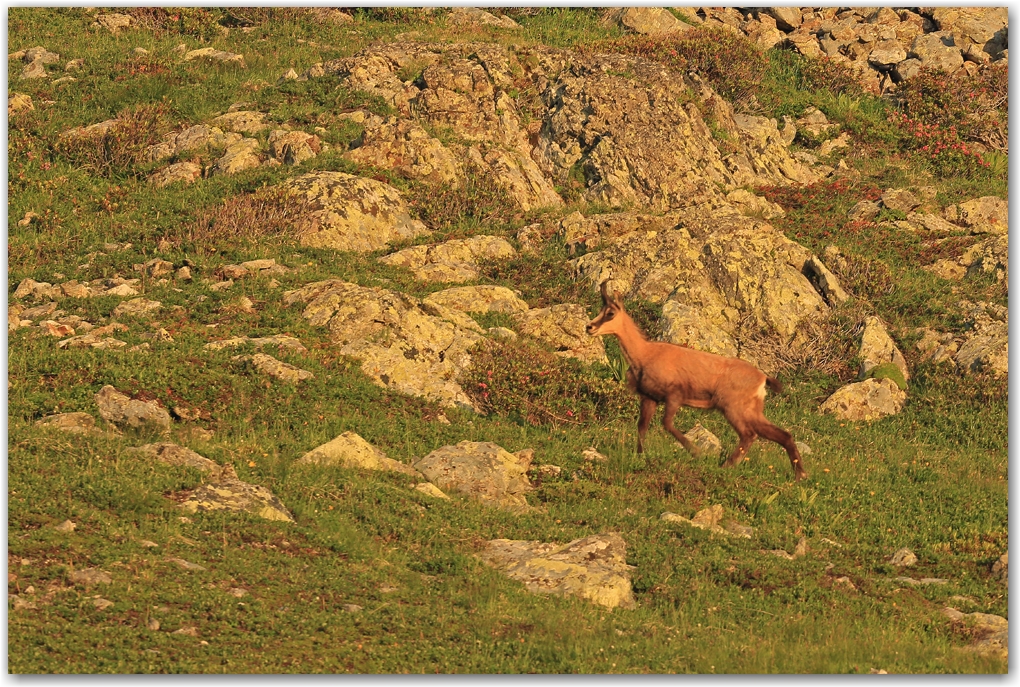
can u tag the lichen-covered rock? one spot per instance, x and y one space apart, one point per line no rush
293 147
985 215
224 491
403 344
649 21
1000 569
451 261
114 22
900 199
345 212
704 440
78 423
281 341
186 172
239 156
174 454
481 470
404 146
214 55
197 137
475 15
931 51
903 558
867 400
592 568
123 411
39 290
985 347
137 307
825 281
718 269
710 519
989 632
877 347
483 298
92 340
268 365
563 327
864 211
19 102
351 451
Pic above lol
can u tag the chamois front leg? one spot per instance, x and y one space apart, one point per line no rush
667 423
648 407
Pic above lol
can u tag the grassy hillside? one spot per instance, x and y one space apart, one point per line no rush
933 478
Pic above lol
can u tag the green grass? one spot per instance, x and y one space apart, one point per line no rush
933 478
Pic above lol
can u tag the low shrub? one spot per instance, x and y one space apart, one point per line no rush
269 211
117 149
478 199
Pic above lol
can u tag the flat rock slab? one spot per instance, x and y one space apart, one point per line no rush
173 454
452 261
706 442
403 344
592 568
123 411
351 213
867 400
228 493
481 470
281 341
137 307
351 451
78 423
268 365
92 340
990 632
90 576
214 55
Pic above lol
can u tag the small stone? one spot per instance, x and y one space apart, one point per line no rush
704 440
137 307
153 624
845 582
237 592
148 544
592 454
430 489
903 558
221 285
101 604
90 576
190 631
184 274
65 527
351 608
187 565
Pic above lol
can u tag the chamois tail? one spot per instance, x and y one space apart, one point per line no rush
774 384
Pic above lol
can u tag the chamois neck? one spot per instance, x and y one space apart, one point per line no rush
632 342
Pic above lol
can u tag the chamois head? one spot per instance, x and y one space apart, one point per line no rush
607 321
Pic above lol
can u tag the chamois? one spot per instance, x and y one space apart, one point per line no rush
660 372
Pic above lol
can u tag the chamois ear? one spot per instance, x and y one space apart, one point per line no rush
605 294
617 301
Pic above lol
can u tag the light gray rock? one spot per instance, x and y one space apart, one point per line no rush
482 298
711 519
787 18
90 576
225 492
268 365
989 632
123 411
903 558
482 471
900 199
864 211
867 400
174 454
877 347
704 440
649 21
985 215
77 423
563 327
455 260
351 451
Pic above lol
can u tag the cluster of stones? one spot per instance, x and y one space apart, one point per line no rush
36 60
884 45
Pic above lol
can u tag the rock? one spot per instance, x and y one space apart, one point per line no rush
877 347
233 272
293 147
34 70
563 327
452 261
592 568
124 411
903 558
482 471
188 631
404 146
214 55
787 18
754 206
114 21
349 450
430 489
907 69
592 455
704 440
946 269
711 271
827 147
90 576
19 102
173 454
101 604
900 199
153 624
709 519
923 582
404 344
986 345
242 122
187 172
932 51
799 551
990 632
78 423
56 329
886 54
137 307
65 527
933 223
122 290
226 492
825 281
867 400
649 21
864 211
474 15
1000 569
281 341
30 288
814 121
185 565
268 365
483 298
985 215
198 137
346 212
239 156
92 340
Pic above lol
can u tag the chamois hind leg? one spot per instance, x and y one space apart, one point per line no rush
648 407
667 423
746 433
784 439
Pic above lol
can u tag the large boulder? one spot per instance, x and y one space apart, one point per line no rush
124 411
985 215
867 400
403 344
719 269
455 260
480 470
349 450
877 348
937 52
592 568
346 212
990 633
649 21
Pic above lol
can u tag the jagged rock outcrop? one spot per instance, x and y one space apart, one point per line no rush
404 344
593 568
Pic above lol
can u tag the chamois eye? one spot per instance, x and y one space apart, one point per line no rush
609 315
